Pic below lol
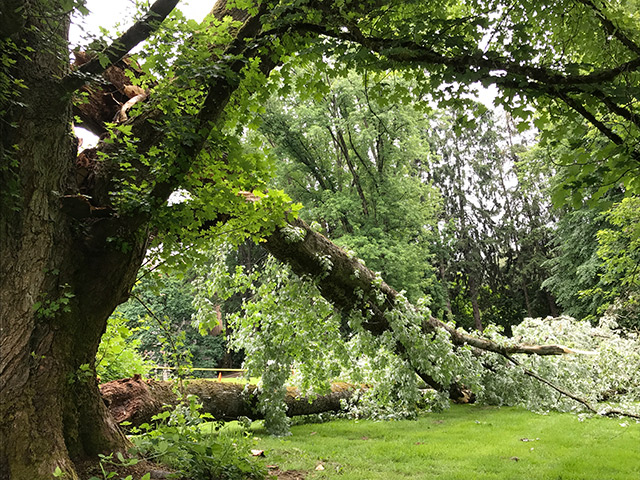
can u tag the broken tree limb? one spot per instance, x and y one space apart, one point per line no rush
552 385
137 400
349 285
122 114
459 337
610 412
344 281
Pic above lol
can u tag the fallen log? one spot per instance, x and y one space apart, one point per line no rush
137 400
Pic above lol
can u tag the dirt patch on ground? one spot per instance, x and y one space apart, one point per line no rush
287 474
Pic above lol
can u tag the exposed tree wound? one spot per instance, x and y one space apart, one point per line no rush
121 116
79 206
108 95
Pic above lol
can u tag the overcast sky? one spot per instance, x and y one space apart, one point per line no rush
107 14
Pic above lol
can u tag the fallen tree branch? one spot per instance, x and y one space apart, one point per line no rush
459 337
345 282
136 400
349 285
580 400
614 412
558 389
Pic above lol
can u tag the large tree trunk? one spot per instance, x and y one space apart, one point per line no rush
59 278
136 401
67 259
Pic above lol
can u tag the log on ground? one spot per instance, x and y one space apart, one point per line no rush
137 400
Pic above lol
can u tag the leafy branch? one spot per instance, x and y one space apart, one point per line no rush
480 63
611 28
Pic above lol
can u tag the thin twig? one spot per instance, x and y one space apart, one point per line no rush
168 336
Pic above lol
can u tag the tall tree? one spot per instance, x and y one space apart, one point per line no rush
619 248
467 171
495 224
357 161
74 230
71 242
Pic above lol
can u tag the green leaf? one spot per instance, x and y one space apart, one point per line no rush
67 5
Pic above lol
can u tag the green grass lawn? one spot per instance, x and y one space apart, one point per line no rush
466 442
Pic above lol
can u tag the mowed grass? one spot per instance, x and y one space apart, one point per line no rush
466 442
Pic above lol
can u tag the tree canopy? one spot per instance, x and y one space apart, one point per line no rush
173 119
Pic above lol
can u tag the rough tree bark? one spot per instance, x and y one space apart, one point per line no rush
136 400
60 281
